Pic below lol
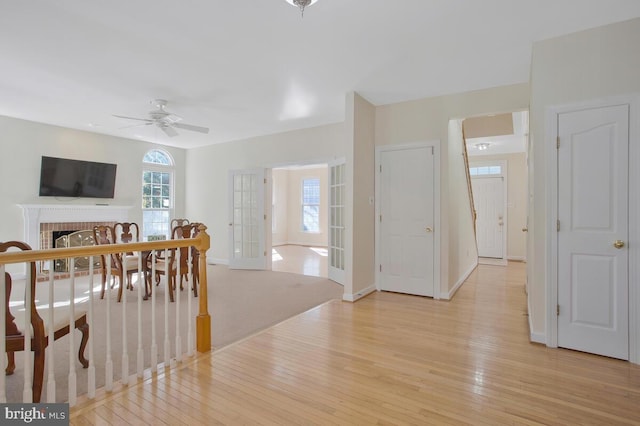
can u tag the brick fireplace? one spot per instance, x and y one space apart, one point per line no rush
41 220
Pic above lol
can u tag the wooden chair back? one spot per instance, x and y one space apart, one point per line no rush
14 337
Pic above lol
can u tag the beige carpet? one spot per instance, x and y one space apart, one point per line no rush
241 303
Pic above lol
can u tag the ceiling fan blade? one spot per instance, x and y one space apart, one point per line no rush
169 131
134 118
137 125
191 127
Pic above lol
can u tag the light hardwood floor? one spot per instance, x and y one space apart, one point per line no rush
303 260
390 359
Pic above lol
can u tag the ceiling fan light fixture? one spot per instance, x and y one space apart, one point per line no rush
301 4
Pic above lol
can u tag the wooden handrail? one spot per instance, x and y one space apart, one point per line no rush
201 242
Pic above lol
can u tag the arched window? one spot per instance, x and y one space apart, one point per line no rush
157 194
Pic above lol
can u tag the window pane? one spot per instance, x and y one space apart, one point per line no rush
157 156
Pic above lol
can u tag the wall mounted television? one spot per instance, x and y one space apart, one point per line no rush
61 177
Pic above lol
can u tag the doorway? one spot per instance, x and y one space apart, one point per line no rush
496 146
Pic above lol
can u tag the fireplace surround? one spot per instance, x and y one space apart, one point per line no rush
40 220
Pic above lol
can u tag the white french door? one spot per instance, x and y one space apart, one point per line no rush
407 225
336 203
246 219
488 198
593 230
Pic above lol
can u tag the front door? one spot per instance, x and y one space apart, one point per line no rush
593 230
488 198
246 219
406 219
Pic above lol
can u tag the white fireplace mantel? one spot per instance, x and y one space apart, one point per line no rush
35 214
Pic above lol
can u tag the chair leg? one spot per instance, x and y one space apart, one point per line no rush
82 325
104 282
38 373
122 284
172 286
11 363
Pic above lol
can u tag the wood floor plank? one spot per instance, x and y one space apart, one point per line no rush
390 359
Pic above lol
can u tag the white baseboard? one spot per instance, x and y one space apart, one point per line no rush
302 244
447 295
534 337
517 258
216 261
358 295
538 338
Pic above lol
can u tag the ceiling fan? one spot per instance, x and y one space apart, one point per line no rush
165 120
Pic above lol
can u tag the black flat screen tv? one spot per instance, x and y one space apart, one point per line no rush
61 177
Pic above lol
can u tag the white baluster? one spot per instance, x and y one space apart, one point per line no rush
51 380
178 356
3 330
141 283
27 392
72 323
190 335
154 343
125 350
91 379
109 363
167 272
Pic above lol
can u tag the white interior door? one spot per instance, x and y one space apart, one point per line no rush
336 221
407 226
246 219
593 259
488 199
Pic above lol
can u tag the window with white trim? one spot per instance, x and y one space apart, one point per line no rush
485 171
311 205
157 194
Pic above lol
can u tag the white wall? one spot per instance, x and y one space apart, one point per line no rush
516 200
428 119
208 169
25 142
591 64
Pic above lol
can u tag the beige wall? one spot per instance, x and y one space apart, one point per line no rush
516 200
463 250
428 119
579 67
25 142
280 201
288 207
208 170
360 188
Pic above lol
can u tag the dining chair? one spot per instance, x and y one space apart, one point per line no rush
169 266
121 266
40 325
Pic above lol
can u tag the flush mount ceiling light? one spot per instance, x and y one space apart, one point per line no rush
301 4
482 146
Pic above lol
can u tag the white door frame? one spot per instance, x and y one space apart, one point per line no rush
436 208
551 261
505 197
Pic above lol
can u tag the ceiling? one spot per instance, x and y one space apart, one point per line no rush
255 67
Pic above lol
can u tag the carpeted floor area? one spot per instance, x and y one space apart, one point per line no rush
241 303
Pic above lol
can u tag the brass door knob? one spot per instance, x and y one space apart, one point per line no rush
525 229
429 229
618 244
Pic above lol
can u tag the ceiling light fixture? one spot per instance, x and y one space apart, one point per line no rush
301 4
482 146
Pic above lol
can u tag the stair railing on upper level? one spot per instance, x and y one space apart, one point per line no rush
145 250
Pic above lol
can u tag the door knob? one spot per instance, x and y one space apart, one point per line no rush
525 229
429 229
618 244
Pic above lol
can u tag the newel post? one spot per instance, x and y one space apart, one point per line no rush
203 320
